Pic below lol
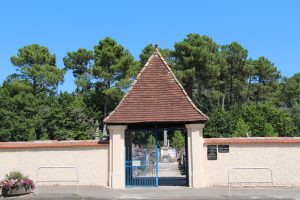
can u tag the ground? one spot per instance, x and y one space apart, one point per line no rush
92 192
169 176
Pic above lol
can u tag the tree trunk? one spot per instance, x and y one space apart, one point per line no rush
258 91
248 91
105 108
223 100
230 90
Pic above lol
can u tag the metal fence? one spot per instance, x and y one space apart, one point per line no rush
230 182
140 173
57 181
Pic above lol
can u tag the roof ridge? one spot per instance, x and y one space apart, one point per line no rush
131 86
156 53
179 84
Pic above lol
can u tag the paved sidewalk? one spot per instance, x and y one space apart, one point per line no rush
169 169
92 192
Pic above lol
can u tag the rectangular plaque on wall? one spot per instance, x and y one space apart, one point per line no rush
223 148
212 153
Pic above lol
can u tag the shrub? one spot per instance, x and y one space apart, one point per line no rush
269 131
15 175
242 129
16 180
177 140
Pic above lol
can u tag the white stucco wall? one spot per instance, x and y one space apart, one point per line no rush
92 160
283 159
117 156
92 163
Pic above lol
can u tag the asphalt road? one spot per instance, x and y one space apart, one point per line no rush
92 192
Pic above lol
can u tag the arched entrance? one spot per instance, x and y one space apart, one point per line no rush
155 106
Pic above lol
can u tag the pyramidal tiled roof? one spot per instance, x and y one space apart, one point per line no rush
155 96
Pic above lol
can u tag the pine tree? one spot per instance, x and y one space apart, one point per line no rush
242 129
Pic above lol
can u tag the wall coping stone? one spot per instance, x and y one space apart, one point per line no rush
94 143
253 140
52 144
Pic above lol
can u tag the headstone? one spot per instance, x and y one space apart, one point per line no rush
104 131
165 138
165 154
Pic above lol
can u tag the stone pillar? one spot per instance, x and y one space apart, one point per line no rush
195 155
117 156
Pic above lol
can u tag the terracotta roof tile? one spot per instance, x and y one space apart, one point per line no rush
156 96
51 144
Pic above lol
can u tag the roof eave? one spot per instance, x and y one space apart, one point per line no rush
156 52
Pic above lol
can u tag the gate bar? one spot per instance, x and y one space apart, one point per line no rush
59 181
243 182
156 155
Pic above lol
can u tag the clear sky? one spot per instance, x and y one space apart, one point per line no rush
266 28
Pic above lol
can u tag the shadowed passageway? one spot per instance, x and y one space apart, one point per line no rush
170 175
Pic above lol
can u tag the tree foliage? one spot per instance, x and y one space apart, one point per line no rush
177 140
148 50
38 66
242 129
295 113
113 68
242 96
151 142
80 62
233 73
291 90
197 57
264 81
252 118
24 116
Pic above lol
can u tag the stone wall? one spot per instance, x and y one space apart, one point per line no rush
90 158
281 155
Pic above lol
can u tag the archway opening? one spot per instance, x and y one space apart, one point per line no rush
156 155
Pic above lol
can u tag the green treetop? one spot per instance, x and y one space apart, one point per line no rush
197 67
148 51
80 62
177 140
151 143
113 68
265 80
291 90
242 129
233 73
38 65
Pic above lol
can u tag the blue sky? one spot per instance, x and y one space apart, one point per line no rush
265 28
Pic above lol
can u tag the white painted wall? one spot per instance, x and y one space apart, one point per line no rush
117 156
92 163
283 159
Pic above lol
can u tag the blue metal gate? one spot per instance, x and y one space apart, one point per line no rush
141 165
